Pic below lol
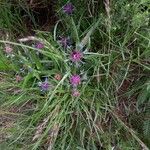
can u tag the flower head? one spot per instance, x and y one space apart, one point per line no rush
76 56
44 85
64 41
8 49
75 93
18 78
68 8
75 80
58 77
39 45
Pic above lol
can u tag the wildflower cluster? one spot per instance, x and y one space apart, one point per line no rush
75 55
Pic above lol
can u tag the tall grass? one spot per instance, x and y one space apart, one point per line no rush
112 110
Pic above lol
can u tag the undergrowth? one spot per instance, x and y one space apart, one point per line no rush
83 86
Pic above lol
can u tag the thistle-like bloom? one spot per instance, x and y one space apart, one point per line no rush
39 45
44 85
18 78
68 8
64 41
75 93
75 80
58 77
76 56
8 49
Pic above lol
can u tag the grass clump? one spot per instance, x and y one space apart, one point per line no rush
83 86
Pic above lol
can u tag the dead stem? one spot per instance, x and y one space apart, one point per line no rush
107 8
131 131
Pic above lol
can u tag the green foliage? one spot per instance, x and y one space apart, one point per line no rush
146 128
10 19
113 107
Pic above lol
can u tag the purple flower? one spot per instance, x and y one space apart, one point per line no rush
64 41
44 85
75 80
75 93
39 45
76 56
68 8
